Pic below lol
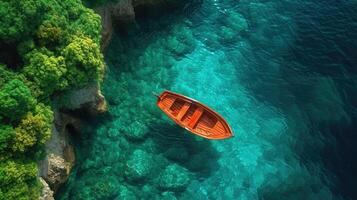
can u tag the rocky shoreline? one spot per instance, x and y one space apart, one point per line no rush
125 12
55 169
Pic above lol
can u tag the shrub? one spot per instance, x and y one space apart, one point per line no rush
5 75
18 180
7 133
15 100
33 129
18 18
56 47
46 71
84 61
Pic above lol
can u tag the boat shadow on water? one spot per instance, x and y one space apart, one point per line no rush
190 151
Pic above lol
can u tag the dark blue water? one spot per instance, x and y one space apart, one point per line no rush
283 74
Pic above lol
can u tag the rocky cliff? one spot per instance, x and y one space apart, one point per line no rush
55 169
123 12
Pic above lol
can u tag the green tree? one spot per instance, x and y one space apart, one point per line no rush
18 180
56 48
18 18
33 129
46 114
5 75
84 61
7 134
89 24
46 71
15 100
49 33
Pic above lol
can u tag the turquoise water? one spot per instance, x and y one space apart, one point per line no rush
281 72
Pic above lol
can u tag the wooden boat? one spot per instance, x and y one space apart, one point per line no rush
194 116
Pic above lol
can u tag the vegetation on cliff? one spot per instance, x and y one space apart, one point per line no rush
46 47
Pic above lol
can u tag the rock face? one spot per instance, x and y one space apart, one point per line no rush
58 171
60 159
47 193
123 12
107 26
168 3
89 99
55 168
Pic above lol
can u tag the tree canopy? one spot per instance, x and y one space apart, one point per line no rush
15 100
19 18
56 47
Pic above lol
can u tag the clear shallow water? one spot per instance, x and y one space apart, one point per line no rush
282 74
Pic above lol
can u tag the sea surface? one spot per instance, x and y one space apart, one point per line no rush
283 74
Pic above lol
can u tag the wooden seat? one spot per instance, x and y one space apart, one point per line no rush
183 110
195 117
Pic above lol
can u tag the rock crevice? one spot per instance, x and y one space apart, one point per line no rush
55 169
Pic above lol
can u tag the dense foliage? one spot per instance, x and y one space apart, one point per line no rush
46 48
94 3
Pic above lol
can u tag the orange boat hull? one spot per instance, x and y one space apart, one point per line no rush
194 116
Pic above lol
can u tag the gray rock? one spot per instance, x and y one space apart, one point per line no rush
120 12
47 193
55 168
123 11
107 26
88 99
57 172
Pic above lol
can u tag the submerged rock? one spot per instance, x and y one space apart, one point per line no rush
182 43
227 34
125 194
136 131
168 196
104 187
174 178
139 165
236 22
